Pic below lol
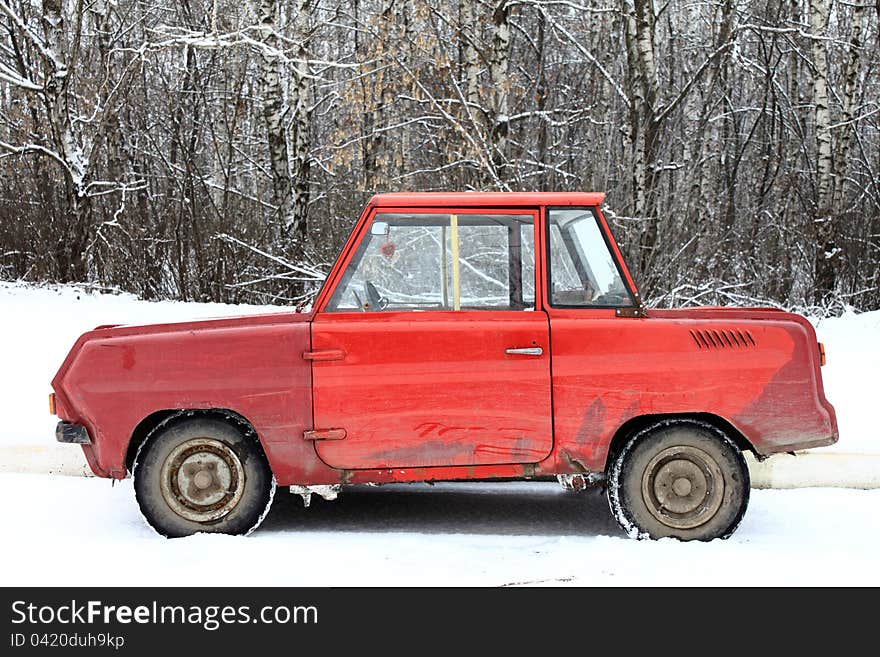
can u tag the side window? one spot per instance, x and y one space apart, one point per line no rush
583 272
497 261
412 262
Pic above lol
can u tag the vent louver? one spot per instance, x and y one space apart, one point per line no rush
723 339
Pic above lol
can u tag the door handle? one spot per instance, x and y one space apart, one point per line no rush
525 351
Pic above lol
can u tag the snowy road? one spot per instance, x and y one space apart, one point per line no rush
76 531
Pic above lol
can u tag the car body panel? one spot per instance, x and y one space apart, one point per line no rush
433 389
115 378
757 373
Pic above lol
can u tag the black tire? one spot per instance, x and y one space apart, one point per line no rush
683 479
202 474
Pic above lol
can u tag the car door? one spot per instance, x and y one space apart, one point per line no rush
429 351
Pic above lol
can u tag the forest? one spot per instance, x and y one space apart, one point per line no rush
216 150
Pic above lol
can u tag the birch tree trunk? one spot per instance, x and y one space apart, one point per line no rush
473 112
828 257
104 21
378 99
61 125
705 144
300 121
819 10
851 72
639 19
541 103
273 111
471 56
56 92
499 81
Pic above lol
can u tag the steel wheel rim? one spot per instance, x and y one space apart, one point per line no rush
202 480
683 487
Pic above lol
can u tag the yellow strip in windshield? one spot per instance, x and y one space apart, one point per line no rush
456 274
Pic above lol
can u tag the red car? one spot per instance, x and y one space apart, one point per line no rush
458 337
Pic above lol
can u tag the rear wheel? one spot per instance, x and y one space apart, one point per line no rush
202 475
679 478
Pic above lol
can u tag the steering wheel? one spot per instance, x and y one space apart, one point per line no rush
374 299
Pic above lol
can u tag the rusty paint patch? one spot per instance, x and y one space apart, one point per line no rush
324 356
127 357
324 434
591 422
573 462
578 482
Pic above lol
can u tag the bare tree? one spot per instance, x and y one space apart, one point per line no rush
220 150
273 84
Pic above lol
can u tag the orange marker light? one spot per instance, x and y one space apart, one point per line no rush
52 403
821 354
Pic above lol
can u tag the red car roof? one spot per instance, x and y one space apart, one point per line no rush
488 199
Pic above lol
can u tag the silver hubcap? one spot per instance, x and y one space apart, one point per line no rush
683 487
202 480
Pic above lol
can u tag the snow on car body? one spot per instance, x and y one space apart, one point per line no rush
457 337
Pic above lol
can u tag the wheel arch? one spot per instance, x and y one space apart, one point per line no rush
636 424
168 417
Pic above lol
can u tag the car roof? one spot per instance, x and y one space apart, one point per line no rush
486 199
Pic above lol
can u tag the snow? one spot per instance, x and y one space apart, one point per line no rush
78 531
43 323
852 349
81 531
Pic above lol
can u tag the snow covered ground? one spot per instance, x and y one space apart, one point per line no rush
80 531
76 530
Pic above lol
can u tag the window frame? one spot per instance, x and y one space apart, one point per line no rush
361 232
610 244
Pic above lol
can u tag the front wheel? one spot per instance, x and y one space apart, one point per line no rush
202 474
679 478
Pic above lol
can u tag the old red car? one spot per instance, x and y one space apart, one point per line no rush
458 337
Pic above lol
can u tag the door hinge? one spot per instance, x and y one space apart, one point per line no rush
639 310
324 355
630 312
324 434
